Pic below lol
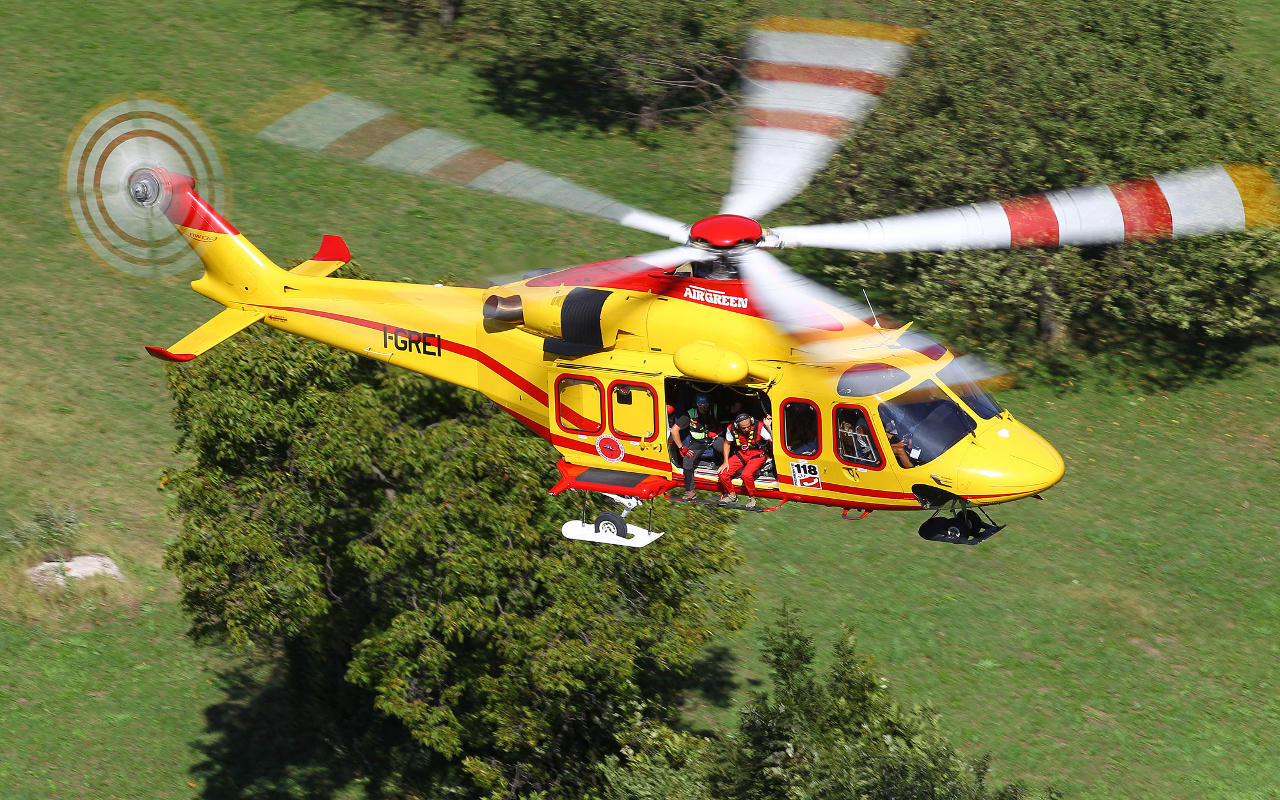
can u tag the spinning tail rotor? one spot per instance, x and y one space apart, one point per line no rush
113 142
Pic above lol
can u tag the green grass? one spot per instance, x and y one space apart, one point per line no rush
1150 676
102 705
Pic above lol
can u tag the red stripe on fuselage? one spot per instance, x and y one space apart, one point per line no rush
584 446
1145 210
457 348
541 430
188 209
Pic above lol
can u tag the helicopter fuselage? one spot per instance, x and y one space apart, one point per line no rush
608 409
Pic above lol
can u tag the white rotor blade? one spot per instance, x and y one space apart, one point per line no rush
809 82
314 117
831 328
618 268
1214 199
674 257
798 306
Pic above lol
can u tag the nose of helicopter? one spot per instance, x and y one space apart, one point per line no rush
1010 461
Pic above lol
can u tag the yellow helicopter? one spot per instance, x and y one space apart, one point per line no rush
613 362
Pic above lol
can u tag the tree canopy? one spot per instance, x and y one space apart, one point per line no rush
635 58
1004 99
397 532
832 737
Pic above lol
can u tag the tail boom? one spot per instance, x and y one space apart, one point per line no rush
432 330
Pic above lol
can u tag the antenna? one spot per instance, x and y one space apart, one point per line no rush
874 318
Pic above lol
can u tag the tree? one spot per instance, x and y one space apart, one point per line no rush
598 60
1004 99
396 532
834 739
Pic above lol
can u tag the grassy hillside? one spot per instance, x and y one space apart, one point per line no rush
1152 674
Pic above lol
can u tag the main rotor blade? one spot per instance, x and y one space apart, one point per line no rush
1214 199
588 274
798 306
830 328
314 117
809 82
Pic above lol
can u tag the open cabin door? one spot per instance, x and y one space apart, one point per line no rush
609 418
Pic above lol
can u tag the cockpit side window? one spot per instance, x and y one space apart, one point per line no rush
855 442
967 389
923 423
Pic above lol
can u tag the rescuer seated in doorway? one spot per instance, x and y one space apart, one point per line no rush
751 441
692 434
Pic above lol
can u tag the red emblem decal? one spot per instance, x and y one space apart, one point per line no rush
609 448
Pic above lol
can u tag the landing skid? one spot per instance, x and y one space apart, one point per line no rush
587 532
610 527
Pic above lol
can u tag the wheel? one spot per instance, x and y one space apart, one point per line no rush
611 523
939 529
970 521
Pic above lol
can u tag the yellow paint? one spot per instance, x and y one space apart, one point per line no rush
1259 192
217 330
316 269
706 362
843 27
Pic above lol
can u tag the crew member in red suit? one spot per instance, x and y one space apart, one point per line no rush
751 440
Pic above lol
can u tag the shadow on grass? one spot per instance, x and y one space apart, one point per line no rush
713 686
266 743
305 733
280 734
715 681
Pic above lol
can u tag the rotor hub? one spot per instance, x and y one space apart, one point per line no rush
145 187
726 231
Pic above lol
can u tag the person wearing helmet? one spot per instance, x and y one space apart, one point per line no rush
752 439
692 434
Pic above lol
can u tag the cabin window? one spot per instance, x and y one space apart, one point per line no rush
580 404
801 432
633 411
855 441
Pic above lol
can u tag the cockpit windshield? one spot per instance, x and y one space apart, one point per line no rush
967 389
923 423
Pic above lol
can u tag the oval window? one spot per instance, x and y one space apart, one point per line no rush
864 380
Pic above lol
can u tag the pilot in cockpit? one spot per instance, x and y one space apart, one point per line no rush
900 444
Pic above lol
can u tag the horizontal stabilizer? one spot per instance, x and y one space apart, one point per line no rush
218 329
333 253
